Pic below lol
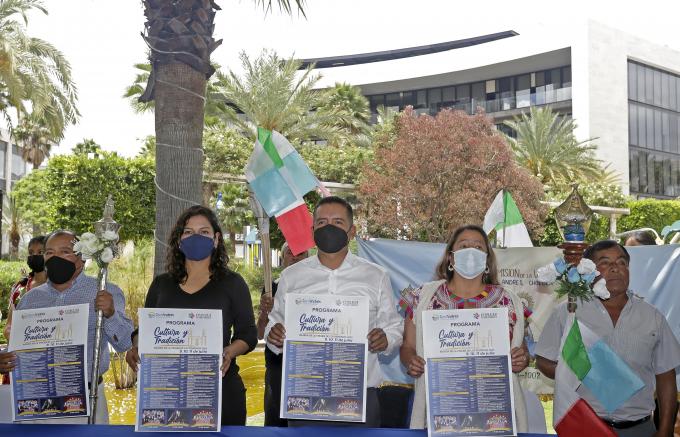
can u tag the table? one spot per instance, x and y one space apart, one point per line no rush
230 431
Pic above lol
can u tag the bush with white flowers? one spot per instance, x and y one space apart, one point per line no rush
574 280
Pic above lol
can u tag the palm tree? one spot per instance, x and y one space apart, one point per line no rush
15 225
180 38
547 147
33 73
273 94
348 110
214 105
234 212
35 138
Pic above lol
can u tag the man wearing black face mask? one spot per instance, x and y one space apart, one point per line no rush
336 271
37 276
68 285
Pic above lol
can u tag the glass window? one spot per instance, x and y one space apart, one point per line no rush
421 99
640 83
540 78
449 95
649 85
672 98
18 165
641 126
462 92
566 77
665 132
651 179
658 130
3 152
393 101
674 121
632 81
408 98
634 174
632 124
665 91
650 128
478 95
657 87
667 187
677 93
556 78
642 168
375 101
434 99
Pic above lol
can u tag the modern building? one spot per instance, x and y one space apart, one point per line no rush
622 91
12 164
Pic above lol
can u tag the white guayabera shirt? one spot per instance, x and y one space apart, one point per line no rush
355 277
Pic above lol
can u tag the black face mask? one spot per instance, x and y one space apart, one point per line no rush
330 239
59 270
36 263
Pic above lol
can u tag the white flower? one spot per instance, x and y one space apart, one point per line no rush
110 236
586 266
547 274
89 247
107 255
88 236
600 289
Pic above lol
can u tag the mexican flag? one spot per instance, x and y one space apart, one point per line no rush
279 177
504 216
587 360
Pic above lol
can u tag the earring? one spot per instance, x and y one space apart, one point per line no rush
486 270
450 268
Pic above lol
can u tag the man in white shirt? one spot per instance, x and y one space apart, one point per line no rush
337 271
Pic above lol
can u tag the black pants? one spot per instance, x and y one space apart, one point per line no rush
372 415
394 406
233 399
272 390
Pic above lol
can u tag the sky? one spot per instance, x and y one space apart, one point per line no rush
102 41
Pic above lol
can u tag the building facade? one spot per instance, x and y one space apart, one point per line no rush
623 92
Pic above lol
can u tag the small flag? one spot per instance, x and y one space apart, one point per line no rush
279 177
586 359
504 216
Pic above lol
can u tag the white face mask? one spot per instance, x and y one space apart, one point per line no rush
470 262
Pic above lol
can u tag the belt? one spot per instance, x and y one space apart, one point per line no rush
99 381
624 424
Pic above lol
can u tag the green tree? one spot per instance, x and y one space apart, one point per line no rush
272 93
180 35
348 111
336 164
70 193
547 147
14 223
87 146
226 152
234 211
148 147
35 77
35 138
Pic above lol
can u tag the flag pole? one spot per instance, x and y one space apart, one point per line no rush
263 228
505 215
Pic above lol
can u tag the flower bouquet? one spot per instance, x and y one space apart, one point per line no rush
575 281
100 249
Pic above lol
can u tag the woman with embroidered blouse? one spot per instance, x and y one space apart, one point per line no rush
467 278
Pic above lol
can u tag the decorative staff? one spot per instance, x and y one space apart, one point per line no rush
102 247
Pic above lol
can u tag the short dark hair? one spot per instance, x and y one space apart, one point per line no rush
642 237
59 233
40 239
339 201
604 245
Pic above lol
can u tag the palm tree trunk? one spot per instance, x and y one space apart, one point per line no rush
179 157
232 243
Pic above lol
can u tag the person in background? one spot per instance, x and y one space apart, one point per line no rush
36 276
640 238
273 362
198 277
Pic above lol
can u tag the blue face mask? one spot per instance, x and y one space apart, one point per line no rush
196 247
470 262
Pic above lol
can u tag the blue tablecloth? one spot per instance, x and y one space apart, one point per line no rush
231 431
